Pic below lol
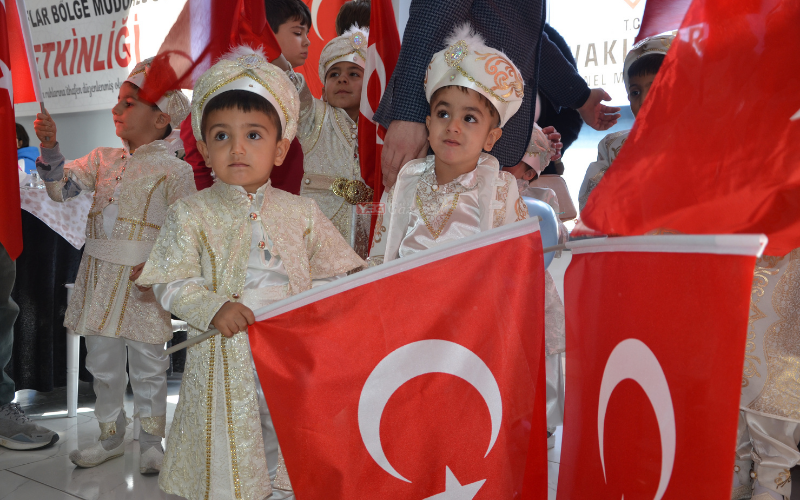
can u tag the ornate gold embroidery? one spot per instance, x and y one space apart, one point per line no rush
212 258
505 76
784 478
436 232
229 410
521 209
209 409
760 281
147 205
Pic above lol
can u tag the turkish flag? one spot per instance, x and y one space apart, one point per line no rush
22 57
656 330
661 16
415 379
10 218
382 54
740 173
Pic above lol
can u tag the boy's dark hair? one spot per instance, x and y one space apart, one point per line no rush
352 12
22 135
283 11
243 101
486 102
646 65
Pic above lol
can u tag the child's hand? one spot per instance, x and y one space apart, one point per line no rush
136 271
232 318
555 141
45 129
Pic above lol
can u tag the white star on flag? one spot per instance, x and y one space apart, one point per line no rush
453 489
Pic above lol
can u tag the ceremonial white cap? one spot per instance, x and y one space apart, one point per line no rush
350 46
245 68
469 62
659 44
173 102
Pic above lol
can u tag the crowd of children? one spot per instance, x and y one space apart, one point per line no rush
156 247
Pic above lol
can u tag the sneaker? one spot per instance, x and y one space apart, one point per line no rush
18 432
150 461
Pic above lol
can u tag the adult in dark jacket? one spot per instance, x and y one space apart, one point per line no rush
510 25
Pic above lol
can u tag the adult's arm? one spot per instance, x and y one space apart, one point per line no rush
404 107
561 83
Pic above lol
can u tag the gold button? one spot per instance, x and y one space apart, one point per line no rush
262 245
250 196
111 200
353 136
254 216
736 468
118 177
235 295
308 181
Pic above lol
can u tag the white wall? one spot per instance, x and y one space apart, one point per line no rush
78 133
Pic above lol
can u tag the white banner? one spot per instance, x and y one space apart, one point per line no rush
86 48
600 33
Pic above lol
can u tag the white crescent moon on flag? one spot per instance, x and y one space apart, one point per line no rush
413 360
314 11
632 359
6 81
796 116
374 64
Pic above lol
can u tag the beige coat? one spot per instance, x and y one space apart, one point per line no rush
104 301
216 429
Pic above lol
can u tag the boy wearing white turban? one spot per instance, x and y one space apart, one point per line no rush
133 187
223 253
459 190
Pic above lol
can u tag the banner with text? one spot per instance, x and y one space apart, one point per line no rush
600 37
86 48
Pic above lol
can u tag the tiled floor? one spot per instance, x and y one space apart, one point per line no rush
48 474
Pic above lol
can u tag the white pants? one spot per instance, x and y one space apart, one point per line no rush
105 360
555 391
771 445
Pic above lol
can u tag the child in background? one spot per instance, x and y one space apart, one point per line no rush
328 131
353 13
641 66
458 191
223 253
133 187
290 20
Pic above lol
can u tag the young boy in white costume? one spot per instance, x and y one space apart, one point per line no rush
458 191
769 421
328 132
228 250
133 187
641 66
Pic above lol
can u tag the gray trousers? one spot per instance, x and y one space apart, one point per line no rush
8 315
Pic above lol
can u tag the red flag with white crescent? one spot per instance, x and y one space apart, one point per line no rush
661 16
10 218
727 179
382 54
656 332
415 379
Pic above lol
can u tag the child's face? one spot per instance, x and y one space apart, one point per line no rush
242 147
137 121
343 85
292 37
639 88
460 127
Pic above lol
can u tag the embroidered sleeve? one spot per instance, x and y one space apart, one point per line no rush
180 183
312 113
328 253
66 180
378 248
514 208
179 253
596 170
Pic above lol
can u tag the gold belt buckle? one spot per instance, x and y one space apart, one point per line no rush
354 191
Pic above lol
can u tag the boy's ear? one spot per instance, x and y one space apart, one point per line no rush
280 151
428 123
324 96
529 175
162 121
492 138
203 148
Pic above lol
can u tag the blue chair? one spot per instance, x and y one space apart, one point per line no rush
548 226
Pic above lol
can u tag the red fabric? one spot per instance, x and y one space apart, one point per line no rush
287 176
691 311
384 49
319 35
22 62
738 173
223 25
314 361
10 218
661 16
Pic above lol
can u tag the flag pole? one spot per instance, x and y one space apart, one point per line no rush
210 333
